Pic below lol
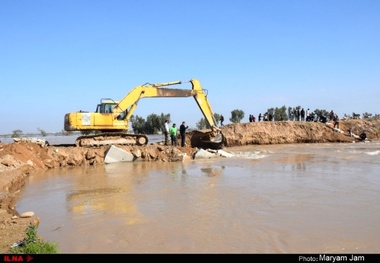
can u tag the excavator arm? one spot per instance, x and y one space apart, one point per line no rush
130 101
112 117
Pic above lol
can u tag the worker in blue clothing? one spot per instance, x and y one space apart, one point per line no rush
182 131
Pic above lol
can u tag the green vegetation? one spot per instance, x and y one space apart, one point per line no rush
236 116
16 133
64 133
34 245
154 123
202 123
43 133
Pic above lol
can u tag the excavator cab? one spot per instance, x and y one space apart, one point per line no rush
106 106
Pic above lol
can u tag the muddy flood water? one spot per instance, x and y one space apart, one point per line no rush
304 198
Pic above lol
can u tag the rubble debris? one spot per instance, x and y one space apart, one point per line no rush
38 141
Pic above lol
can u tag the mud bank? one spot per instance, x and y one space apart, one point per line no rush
19 160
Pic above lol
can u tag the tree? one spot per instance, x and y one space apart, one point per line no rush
138 124
320 113
236 116
280 114
153 124
201 124
16 133
270 112
43 133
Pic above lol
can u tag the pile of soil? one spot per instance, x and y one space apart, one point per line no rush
20 159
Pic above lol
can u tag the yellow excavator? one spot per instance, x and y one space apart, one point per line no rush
110 121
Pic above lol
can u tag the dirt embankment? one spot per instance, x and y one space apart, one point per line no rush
19 160
297 132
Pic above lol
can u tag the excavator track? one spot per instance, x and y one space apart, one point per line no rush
118 138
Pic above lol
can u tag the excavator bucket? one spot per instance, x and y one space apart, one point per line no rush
207 139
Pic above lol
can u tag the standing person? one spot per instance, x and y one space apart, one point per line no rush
173 134
298 114
166 132
332 114
290 113
182 131
302 114
294 115
259 117
336 121
221 120
308 115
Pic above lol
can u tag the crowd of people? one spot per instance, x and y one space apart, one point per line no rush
294 114
300 114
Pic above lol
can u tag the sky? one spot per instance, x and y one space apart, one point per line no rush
58 57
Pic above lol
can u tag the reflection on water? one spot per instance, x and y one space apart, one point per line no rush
318 198
296 162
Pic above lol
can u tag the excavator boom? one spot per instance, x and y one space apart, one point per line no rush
112 117
158 91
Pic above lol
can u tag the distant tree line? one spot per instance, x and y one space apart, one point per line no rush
154 123
19 133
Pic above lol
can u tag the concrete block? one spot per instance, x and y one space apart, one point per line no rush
115 154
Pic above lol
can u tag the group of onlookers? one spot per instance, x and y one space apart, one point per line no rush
173 131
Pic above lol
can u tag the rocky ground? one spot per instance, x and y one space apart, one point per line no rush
20 159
